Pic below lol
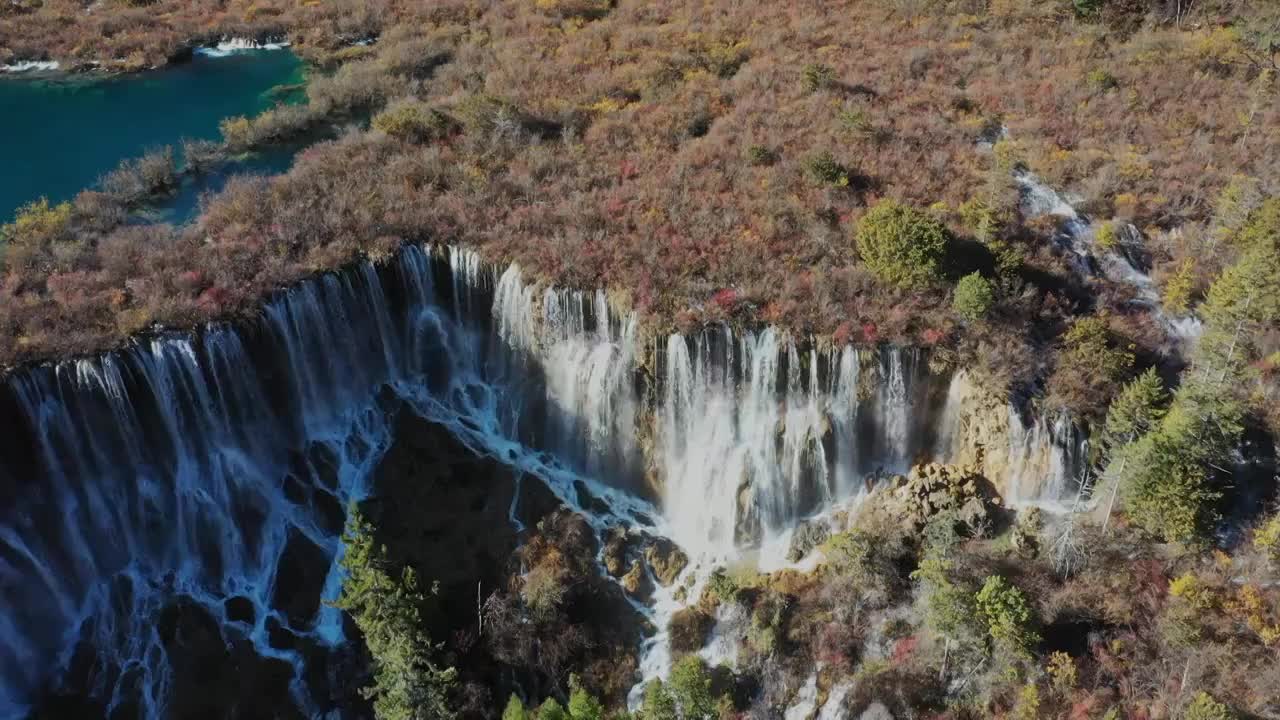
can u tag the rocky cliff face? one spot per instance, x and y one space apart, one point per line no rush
1036 461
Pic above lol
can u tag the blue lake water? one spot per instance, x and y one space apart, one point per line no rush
58 136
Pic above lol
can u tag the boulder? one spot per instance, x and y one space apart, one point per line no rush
665 560
300 577
637 583
689 629
932 489
807 536
615 552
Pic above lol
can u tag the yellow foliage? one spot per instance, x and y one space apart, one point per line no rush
1028 707
1220 45
1192 590
1267 539
1179 287
1250 606
1062 669
605 106
1134 167
37 223
1105 239
236 131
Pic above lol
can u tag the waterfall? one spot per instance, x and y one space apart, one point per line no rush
753 439
1044 460
209 467
216 466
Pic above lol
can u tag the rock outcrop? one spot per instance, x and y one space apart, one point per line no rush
665 560
806 536
932 489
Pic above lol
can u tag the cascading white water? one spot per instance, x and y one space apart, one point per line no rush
752 439
204 467
201 466
1079 236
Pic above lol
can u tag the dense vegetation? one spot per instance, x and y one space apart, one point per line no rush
846 170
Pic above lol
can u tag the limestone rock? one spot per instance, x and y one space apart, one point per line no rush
931 489
807 536
615 552
689 629
636 582
665 560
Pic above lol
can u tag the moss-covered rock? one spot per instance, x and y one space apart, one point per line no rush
665 560
689 629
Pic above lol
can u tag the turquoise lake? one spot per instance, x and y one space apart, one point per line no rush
60 135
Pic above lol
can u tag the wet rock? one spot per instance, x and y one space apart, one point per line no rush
300 578
279 636
665 560
615 551
807 536
240 609
294 490
689 629
589 501
748 530
637 583
329 513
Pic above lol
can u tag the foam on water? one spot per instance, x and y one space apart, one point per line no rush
30 66
230 46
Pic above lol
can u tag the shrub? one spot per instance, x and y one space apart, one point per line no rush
973 298
824 169
1090 366
856 121
691 688
236 131
1266 539
901 245
38 224
1204 707
1087 9
1178 288
1101 80
815 77
658 703
514 709
135 181
413 120
200 155
483 113
761 155
1062 672
543 590
1008 615
1106 238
